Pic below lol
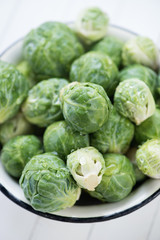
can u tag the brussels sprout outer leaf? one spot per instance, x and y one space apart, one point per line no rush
110 46
141 72
91 24
148 129
148 158
131 155
42 107
18 151
117 181
47 184
59 137
115 135
85 106
13 90
134 100
14 127
141 50
26 70
96 68
158 83
51 48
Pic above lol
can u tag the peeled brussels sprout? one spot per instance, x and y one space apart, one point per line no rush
59 137
13 90
141 50
14 127
25 69
48 184
91 24
141 72
131 155
149 129
42 107
87 167
117 181
18 151
110 46
85 106
96 68
51 48
115 135
148 158
134 100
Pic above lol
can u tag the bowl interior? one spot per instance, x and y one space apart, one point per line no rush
86 212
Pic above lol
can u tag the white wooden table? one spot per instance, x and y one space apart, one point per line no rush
17 17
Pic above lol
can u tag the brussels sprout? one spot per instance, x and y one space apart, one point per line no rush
118 179
42 107
115 135
149 129
18 151
157 102
59 137
134 100
131 154
158 83
143 73
96 68
91 24
110 46
25 69
141 50
148 158
87 167
47 183
51 48
85 106
14 127
13 90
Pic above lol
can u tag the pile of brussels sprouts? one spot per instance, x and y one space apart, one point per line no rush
79 114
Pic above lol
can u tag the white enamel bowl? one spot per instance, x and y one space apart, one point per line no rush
90 212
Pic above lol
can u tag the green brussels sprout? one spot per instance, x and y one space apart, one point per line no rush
25 69
85 106
48 184
14 127
157 102
158 84
96 68
115 135
42 107
59 137
13 90
51 48
148 158
141 50
91 24
131 155
110 46
141 72
134 100
87 167
118 179
18 151
148 129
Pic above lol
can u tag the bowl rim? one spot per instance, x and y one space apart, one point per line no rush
52 216
77 219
